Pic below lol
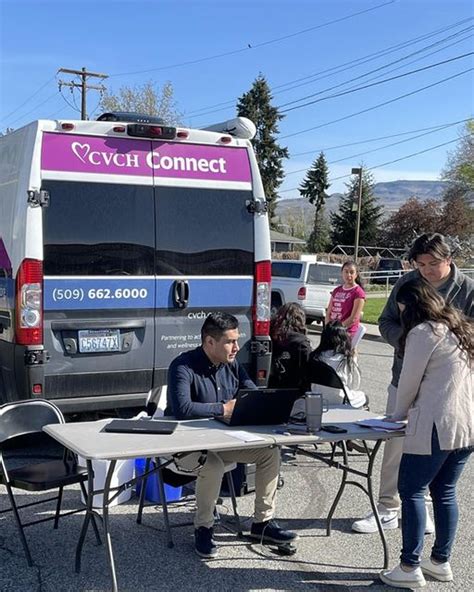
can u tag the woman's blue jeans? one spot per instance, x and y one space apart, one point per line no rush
439 472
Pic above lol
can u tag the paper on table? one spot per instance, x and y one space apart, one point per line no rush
382 424
244 436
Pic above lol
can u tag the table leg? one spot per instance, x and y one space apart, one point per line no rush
342 486
105 514
87 517
370 493
141 499
164 505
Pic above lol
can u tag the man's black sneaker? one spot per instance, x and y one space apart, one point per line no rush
204 543
270 532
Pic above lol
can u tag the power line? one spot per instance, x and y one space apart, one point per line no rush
426 133
378 105
346 66
74 107
256 45
370 85
366 141
34 108
377 166
384 66
406 157
431 53
28 100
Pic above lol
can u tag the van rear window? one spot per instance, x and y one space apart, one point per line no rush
323 274
286 270
203 232
98 229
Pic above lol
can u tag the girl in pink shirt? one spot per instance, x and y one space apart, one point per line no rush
347 300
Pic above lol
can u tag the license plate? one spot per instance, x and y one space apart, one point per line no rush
104 340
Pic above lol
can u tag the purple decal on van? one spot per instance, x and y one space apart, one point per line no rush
117 156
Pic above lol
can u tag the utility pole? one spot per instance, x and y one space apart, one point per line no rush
82 85
357 207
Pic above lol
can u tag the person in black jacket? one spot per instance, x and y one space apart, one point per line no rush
291 348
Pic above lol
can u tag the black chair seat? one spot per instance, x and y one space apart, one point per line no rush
47 475
28 417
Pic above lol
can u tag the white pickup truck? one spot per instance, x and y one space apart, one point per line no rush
306 281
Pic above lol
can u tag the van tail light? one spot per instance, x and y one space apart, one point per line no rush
29 303
302 293
262 295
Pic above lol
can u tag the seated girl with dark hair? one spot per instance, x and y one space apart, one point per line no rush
291 347
335 350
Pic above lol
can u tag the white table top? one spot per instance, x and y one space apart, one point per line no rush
90 441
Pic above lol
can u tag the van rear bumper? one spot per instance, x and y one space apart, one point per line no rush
103 402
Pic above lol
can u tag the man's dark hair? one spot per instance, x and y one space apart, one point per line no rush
429 244
217 323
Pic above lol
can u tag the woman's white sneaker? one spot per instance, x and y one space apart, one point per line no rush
400 578
439 571
388 518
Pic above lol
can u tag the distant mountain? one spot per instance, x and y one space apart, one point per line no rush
392 195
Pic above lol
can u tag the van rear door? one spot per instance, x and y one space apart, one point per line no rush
99 292
205 253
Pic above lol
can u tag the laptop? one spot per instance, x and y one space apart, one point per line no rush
262 407
140 426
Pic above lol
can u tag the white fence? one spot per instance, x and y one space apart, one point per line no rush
386 279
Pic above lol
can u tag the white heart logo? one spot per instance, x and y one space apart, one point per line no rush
81 150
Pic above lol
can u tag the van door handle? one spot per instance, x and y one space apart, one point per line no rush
181 293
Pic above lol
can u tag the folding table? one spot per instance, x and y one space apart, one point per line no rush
88 440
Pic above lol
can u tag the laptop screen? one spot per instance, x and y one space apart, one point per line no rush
263 406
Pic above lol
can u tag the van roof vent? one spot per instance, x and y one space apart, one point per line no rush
130 117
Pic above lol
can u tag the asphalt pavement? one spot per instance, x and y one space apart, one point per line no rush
343 561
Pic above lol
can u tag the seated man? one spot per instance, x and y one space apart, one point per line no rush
202 383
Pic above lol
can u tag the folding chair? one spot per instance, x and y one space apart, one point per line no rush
321 373
26 418
172 475
357 337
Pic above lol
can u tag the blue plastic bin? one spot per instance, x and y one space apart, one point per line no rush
152 491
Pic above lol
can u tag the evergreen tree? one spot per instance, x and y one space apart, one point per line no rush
256 105
344 221
319 240
314 188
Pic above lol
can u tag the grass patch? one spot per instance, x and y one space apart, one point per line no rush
372 309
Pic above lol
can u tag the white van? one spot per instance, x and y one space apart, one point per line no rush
306 281
117 238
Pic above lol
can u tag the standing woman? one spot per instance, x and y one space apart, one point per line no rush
291 347
347 301
435 395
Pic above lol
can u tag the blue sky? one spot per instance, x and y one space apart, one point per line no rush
212 50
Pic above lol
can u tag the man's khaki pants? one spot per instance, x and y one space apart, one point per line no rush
392 455
210 476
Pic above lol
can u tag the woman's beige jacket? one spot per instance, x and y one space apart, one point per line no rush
435 389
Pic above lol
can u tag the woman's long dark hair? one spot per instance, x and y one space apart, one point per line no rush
290 318
423 303
335 338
